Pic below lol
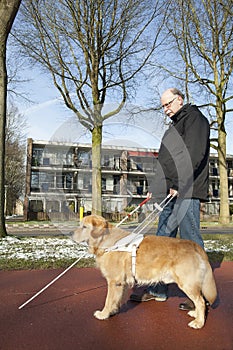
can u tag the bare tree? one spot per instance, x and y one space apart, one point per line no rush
201 32
93 50
8 11
14 157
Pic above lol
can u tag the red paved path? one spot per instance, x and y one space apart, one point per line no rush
61 317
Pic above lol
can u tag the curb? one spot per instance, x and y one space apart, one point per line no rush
30 226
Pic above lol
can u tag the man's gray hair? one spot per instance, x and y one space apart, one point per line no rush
175 91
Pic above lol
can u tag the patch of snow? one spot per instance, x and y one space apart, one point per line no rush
41 248
211 245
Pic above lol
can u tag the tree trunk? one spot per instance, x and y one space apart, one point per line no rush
3 82
224 215
96 170
8 11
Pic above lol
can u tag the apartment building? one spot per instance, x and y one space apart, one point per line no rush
212 207
59 179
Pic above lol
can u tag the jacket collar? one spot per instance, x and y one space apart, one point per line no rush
180 113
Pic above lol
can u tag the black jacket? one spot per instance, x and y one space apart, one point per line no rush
183 160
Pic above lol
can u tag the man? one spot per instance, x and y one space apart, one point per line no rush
183 170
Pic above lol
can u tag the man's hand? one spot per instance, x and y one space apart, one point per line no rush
173 192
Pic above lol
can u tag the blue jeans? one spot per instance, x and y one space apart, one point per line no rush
182 213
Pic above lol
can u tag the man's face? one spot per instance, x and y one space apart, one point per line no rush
171 103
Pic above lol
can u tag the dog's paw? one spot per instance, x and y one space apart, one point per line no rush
192 313
195 324
101 315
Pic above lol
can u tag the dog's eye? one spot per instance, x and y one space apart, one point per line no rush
84 226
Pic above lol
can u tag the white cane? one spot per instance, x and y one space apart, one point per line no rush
50 283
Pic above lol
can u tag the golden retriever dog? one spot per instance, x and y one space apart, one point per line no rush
170 260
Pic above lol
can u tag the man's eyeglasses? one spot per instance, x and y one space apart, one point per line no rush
169 103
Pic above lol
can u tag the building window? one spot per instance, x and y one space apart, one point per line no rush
105 161
46 161
215 188
37 155
87 183
46 181
59 181
103 182
35 181
215 172
68 181
36 206
84 159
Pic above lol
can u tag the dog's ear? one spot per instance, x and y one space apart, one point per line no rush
100 226
97 225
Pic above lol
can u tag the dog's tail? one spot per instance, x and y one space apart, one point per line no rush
209 289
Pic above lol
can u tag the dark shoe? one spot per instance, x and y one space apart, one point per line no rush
187 306
143 297
159 291
147 297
